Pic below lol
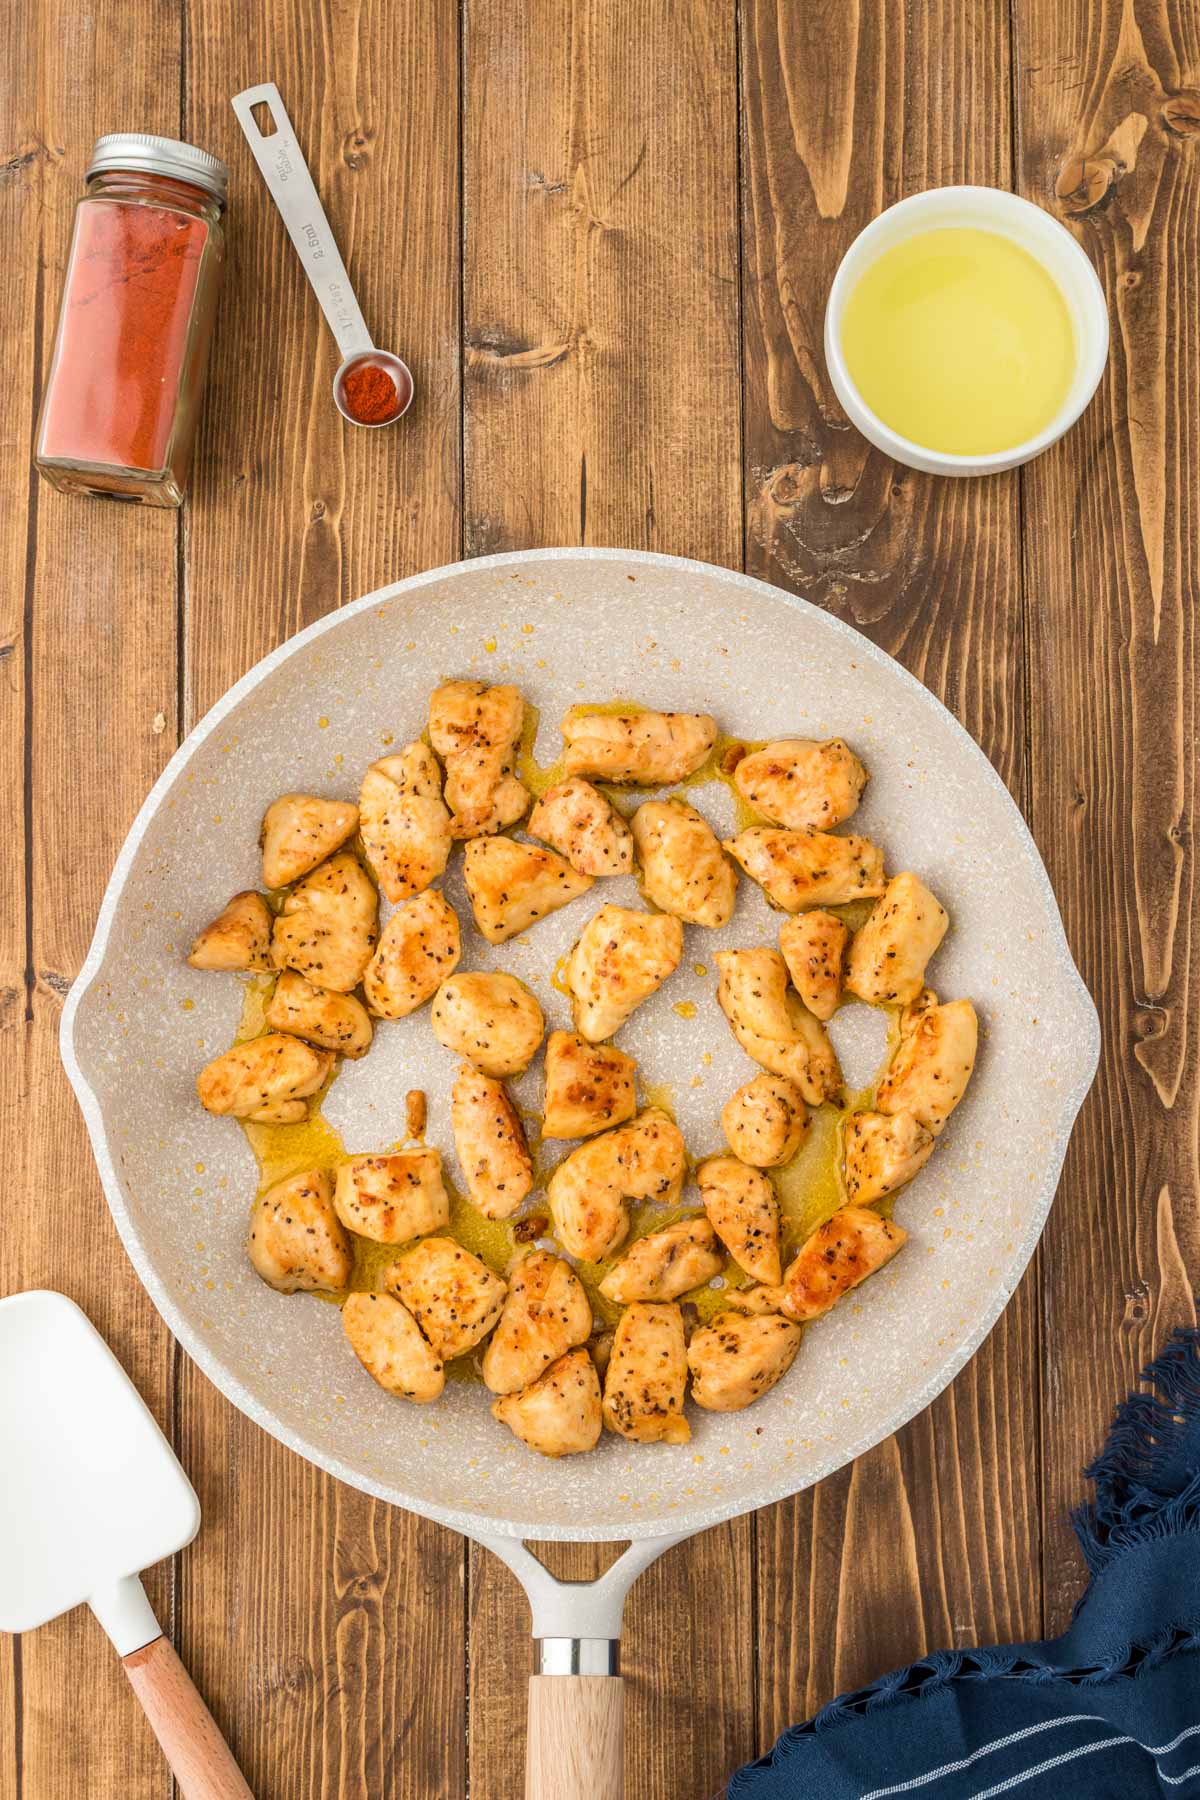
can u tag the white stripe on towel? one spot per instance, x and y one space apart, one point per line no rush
1014 1737
1053 1762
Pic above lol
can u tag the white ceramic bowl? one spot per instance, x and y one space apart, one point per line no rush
987 209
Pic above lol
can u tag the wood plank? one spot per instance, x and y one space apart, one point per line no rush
602 406
86 587
846 110
329 1626
1110 109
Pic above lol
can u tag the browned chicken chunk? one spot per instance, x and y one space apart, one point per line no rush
889 956
741 1205
559 1414
490 1142
646 749
589 1087
839 1254
773 1026
475 730
393 1196
328 927
621 959
798 782
299 831
239 938
796 869
646 1376
684 870
882 1153
403 821
334 1021
814 948
766 1121
419 947
511 885
296 1242
389 1344
254 1080
491 1019
928 1075
644 1160
547 1312
738 1359
454 1297
665 1264
575 819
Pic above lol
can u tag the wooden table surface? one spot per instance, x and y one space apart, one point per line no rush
603 234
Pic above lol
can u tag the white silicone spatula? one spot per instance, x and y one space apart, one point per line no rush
91 1494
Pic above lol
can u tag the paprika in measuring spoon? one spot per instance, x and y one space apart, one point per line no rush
122 397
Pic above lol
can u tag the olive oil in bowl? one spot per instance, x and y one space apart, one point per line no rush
960 340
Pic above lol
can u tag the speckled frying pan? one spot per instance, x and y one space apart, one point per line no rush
570 625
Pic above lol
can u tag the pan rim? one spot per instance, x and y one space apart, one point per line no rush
482 1525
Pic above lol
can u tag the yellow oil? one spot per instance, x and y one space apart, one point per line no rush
960 340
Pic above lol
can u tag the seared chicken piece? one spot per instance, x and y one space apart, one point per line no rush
403 821
839 1254
419 947
559 1415
388 1343
766 1121
299 831
814 949
589 1087
882 1153
772 1025
392 1197
644 1160
796 869
547 1313
647 749
475 729
239 938
646 1375
928 1075
758 1300
255 1079
798 781
334 1021
491 1019
620 960
490 1142
328 927
577 821
739 1359
665 1264
454 1297
889 954
510 885
744 1213
683 868
296 1242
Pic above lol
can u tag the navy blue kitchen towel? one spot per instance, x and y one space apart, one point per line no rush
1108 1711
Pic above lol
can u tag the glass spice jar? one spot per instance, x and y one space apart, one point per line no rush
123 393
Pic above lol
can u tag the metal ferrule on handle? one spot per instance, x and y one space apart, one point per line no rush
291 187
580 1656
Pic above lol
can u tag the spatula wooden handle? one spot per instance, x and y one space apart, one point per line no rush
202 1761
576 1743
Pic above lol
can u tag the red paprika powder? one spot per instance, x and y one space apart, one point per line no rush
370 394
122 397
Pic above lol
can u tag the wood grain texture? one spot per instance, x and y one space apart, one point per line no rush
1110 143
328 1626
847 109
602 405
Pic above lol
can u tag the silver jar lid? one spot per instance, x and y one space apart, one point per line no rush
150 155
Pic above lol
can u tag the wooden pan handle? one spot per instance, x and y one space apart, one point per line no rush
576 1744
199 1756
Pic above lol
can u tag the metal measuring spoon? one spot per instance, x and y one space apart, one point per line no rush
290 185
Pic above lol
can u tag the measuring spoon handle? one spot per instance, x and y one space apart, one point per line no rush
291 187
